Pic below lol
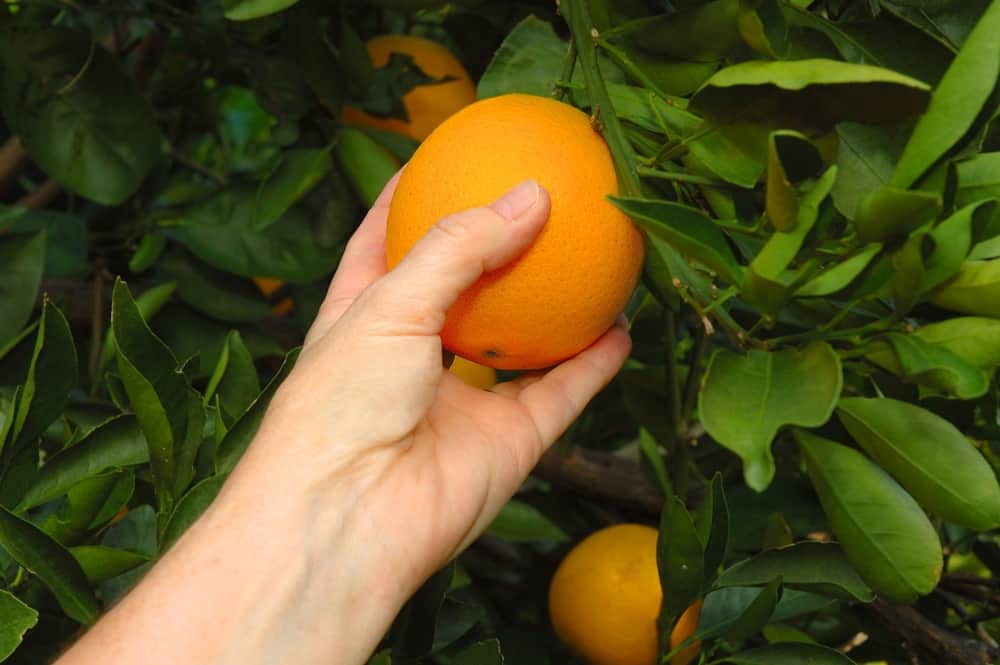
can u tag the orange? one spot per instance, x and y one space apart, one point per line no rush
269 285
426 105
568 287
475 375
605 598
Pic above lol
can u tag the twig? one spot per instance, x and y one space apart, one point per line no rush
12 160
40 196
923 635
602 476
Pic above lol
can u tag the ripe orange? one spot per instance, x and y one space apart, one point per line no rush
605 597
475 375
570 285
267 286
427 105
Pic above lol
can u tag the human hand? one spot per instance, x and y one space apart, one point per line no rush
432 459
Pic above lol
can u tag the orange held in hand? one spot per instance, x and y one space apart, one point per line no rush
567 289
605 598
426 105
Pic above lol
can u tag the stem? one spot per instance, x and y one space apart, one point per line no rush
566 78
584 35
694 379
621 58
680 176
673 380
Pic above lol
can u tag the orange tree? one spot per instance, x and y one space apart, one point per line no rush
810 413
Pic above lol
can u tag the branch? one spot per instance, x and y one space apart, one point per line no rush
602 476
923 635
12 160
40 196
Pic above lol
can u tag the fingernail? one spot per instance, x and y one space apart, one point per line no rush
518 200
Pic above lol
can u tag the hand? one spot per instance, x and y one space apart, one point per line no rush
434 459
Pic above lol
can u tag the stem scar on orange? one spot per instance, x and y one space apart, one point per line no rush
427 106
605 598
568 287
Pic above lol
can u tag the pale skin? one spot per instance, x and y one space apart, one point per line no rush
372 468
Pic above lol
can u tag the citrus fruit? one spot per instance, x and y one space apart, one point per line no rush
605 596
568 287
475 375
426 105
269 285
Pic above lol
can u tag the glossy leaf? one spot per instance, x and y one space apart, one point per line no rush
16 619
757 613
221 296
88 505
190 508
688 230
22 259
888 212
746 399
238 384
51 376
937 368
929 456
520 522
839 276
680 562
368 165
297 171
957 101
54 565
66 242
792 161
245 10
817 567
149 303
979 178
101 563
866 157
528 61
232 447
78 115
713 527
486 652
809 94
705 32
974 290
952 240
974 339
789 653
883 530
723 607
412 634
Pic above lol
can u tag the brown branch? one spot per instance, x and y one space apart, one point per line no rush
40 196
926 637
602 476
12 160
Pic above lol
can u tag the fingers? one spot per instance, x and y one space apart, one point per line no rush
455 252
363 262
557 398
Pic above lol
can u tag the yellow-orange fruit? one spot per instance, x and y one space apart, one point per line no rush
568 287
605 597
269 285
474 374
426 105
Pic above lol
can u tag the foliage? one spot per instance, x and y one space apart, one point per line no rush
817 182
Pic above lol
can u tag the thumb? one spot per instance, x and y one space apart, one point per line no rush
457 250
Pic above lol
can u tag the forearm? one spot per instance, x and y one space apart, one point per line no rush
265 576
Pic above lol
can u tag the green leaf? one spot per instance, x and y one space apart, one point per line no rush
150 248
865 159
244 10
297 171
22 259
519 522
789 653
928 456
528 61
149 303
79 116
16 619
713 527
705 32
680 562
242 432
883 531
157 389
101 563
746 399
974 290
221 296
889 212
65 237
840 275
957 101
792 161
239 384
688 230
51 376
55 567
757 613
724 606
486 652
88 505
412 635
974 339
809 94
931 366
778 532
368 165
190 508
816 567
650 450
952 240
979 178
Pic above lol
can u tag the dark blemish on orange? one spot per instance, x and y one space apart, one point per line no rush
492 353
